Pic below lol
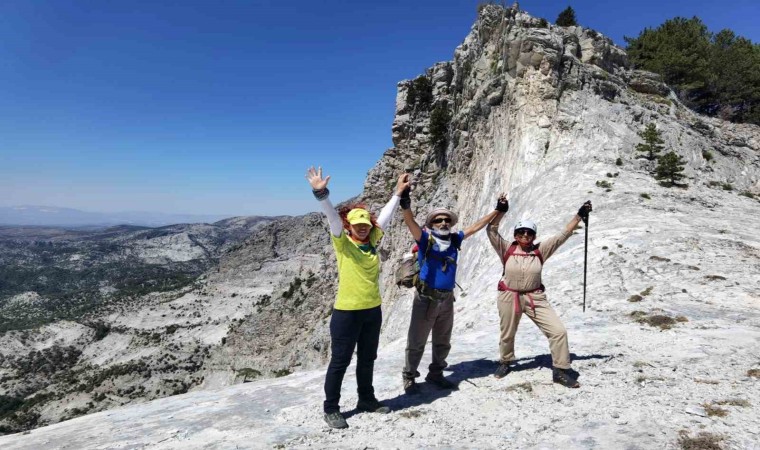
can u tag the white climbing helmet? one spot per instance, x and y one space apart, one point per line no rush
526 223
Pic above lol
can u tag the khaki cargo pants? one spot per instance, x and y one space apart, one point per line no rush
427 316
543 315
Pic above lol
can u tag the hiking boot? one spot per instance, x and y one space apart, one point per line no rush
411 387
439 381
502 370
565 378
372 405
336 420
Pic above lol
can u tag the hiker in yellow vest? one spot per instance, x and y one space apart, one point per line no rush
356 317
521 291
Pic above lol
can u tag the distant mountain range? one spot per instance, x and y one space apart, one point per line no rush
54 216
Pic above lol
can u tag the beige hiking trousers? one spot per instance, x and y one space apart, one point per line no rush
542 314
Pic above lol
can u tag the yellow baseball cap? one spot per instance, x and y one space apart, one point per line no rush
358 215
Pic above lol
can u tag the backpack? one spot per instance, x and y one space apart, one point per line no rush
511 251
408 270
513 247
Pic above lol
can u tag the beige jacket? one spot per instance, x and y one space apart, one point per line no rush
523 273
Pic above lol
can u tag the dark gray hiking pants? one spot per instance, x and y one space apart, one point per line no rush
427 316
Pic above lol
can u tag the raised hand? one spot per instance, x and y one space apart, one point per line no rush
314 176
585 210
404 185
502 204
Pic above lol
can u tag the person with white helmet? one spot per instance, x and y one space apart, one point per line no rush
433 305
521 291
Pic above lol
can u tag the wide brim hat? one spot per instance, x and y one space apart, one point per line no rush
438 212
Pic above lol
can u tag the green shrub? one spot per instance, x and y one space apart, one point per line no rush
567 17
707 155
604 184
420 92
619 162
645 195
281 373
439 124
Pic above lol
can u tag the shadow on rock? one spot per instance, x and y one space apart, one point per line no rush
545 361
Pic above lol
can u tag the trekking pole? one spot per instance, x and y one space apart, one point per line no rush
585 259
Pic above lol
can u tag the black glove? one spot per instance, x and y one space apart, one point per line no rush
406 201
584 211
502 205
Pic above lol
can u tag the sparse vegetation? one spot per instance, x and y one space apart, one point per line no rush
707 155
652 144
420 93
619 162
734 402
647 291
248 373
645 195
660 321
669 170
525 387
635 298
281 373
439 124
567 18
604 184
702 441
712 410
715 278
411 414
753 373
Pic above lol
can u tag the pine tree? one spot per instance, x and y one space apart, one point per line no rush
566 18
652 142
439 124
669 168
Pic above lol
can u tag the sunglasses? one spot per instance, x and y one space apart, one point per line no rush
441 220
525 231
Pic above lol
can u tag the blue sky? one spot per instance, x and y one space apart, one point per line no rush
218 107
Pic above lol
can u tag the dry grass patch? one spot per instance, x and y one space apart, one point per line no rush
704 381
681 319
411 414
754 373
715 277
734 402
702 441
660 321
713 410
526 387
